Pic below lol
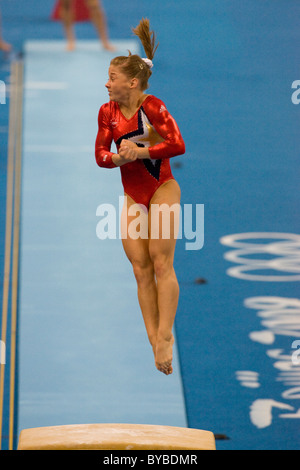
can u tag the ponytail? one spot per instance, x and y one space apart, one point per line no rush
133 65
147 37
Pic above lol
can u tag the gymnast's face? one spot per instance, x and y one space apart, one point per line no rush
119 86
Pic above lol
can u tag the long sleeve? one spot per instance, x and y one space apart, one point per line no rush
103 140
166 126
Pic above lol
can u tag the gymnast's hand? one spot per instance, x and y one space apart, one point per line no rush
128 151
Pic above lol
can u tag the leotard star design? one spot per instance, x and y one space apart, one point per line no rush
145 136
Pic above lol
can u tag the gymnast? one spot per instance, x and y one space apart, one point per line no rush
146 136
70 11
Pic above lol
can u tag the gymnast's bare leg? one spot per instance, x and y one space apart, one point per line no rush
66 15
99 21
158 289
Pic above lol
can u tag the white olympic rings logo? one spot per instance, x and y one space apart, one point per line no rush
283 252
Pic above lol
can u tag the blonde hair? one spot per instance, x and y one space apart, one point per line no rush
133 65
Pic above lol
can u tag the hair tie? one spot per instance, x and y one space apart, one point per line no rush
148 62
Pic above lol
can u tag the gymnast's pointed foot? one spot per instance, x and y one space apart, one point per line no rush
164 354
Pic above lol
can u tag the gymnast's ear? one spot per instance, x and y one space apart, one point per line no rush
134 83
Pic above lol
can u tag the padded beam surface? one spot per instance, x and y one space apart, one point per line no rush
115 437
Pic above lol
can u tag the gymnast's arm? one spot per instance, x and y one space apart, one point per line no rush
166 126
104 157
172 142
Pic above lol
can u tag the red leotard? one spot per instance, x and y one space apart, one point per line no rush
80 11
151 126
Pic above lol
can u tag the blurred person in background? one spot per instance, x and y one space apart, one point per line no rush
71 11
4 46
